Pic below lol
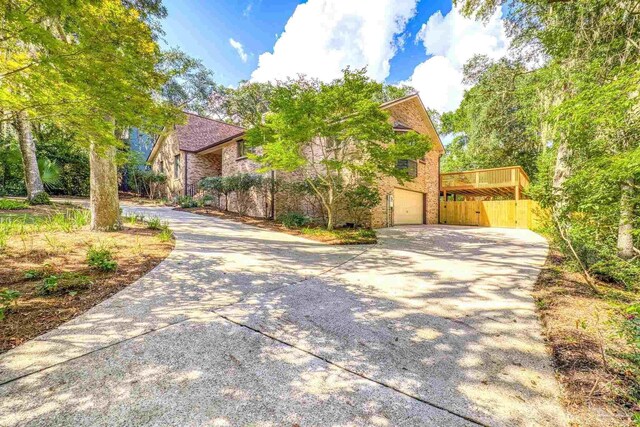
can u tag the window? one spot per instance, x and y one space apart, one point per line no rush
161 168
410 165
241 149
176 166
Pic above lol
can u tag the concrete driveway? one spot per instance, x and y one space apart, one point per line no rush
435 325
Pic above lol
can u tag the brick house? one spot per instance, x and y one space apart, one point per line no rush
206 147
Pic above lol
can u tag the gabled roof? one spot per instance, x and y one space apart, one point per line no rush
201 133
414 97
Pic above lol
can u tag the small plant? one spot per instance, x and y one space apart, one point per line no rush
4 238
40 199
33 274
8 204
101 259
48 286
7 297
187 202
165 234
154 223
293 220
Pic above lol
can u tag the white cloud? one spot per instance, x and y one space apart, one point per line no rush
452 40
324 36
238 47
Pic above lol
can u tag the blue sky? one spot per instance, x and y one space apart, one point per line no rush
410 41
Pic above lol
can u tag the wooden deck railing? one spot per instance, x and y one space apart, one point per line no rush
485 178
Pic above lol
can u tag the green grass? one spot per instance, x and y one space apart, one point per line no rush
9 205
67 221
342 236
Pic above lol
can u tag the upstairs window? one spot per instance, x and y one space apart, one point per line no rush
176 166
161 168
410 165
241 150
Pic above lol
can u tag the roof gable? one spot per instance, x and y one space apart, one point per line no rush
201 133
414 102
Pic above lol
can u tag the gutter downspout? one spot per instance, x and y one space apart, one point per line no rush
439 187
273 194
186 167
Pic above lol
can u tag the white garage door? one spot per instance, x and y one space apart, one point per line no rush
408 207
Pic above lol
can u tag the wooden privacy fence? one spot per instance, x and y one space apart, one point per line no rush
491 213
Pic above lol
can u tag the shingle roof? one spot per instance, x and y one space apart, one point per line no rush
201 133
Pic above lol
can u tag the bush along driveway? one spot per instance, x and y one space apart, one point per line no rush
240 325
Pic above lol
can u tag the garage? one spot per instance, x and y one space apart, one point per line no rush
408 207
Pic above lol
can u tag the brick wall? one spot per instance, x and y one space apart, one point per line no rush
411 113
257 203
167 152
203 165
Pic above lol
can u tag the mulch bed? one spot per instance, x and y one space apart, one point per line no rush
272 225
597 385
136 249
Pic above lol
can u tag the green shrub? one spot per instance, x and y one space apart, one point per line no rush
48 286
187 202
359 202
7 297
71 282
154 223
165 234
293 220
40 199
612 268
33 274
101 259
8 204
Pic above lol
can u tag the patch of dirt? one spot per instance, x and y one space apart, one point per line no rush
268 224
136 249
580 327
137 199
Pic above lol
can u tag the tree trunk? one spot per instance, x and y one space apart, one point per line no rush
330 218
562 171
29 160
625 227
105 207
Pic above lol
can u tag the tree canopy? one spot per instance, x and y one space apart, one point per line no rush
334 133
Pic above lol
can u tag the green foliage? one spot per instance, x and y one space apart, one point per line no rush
187 202
342 124
70 282
8 204
50 173
244 105
40 199
140 178
101 258
33 274
7 297
238 184
165 234
293 219
360 200
48 286
154 223
67 221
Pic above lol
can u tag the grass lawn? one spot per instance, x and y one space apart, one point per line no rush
344 236
596 366
45 263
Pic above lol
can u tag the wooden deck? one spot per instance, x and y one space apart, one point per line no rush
506 181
